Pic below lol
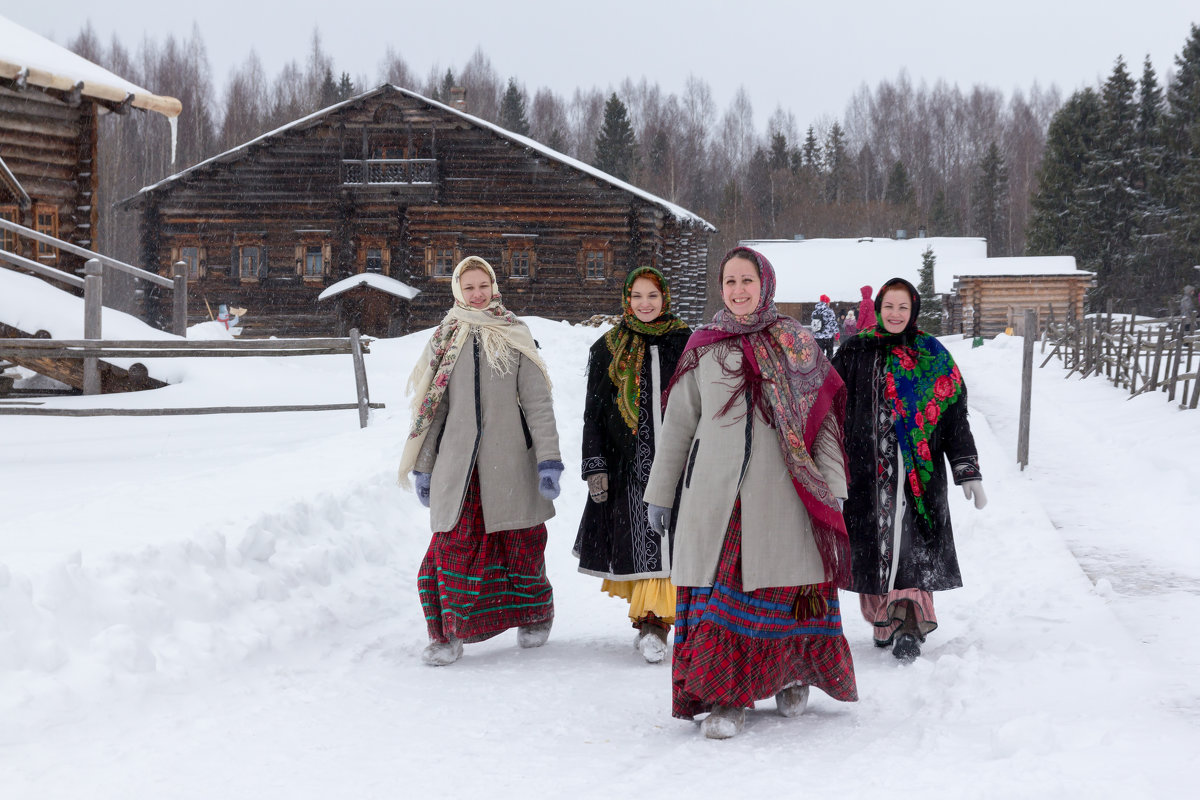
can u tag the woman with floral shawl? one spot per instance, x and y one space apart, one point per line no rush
906 414
753 428
483 452
628 370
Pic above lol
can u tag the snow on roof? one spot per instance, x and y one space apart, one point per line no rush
235 153
375 281
806 269
53 66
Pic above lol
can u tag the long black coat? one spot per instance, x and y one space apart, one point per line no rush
927 559
614 539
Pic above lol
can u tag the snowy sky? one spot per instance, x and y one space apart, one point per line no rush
809 58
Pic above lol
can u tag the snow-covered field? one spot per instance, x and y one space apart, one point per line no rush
225 606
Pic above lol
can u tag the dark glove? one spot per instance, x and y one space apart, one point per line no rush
660 518
548 473
974 491
421 481
598 486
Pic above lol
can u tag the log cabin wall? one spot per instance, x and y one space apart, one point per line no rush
49 145
303 203
1000 301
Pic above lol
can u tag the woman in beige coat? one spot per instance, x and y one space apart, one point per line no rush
483 451
753 430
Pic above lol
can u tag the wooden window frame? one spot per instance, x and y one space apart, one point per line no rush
522 247
45 252
604 248
240 244
201 258
431 255
374 243
302 248
8 240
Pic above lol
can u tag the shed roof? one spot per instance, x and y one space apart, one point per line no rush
37 61
808 268
381 282
317 117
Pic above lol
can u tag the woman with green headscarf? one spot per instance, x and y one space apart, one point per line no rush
629 367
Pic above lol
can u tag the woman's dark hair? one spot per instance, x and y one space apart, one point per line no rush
739 252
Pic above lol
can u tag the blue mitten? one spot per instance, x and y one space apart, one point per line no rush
548 473
659 517
421 480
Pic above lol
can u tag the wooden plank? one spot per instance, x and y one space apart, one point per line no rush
360 379
173 412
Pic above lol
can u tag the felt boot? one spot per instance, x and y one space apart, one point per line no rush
534 635
724 722
441 654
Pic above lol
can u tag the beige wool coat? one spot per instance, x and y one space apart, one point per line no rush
718 460
502 424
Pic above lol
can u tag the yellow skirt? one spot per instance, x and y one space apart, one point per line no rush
656 595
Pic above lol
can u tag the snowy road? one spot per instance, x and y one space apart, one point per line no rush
250 628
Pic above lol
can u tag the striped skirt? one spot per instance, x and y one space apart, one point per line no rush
475 585
734 647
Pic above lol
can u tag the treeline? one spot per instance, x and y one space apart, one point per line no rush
904 156
1120 185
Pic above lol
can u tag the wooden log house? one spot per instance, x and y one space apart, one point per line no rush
987 305
50 100
390 182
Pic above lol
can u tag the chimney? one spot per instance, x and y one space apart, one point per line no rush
921 232
458 98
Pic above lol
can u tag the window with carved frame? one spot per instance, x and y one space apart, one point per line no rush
192 253
441 257
250 258
519 258
595 259
45 220
374 256
8 239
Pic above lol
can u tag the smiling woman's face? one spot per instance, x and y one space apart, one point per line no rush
645 299
896 309
740 286
476 287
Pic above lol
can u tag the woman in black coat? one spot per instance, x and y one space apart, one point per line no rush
628 370
906 415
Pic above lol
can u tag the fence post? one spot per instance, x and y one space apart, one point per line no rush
1175 363
93 304
1137 364
360 379
179 304
1026 390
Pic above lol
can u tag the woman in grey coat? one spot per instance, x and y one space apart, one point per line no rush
753 430
483 451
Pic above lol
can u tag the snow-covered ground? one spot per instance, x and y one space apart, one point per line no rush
226 606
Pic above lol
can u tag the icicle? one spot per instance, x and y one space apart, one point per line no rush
174 123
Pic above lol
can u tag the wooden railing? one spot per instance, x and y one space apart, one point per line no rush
174 348
1141 355
394 171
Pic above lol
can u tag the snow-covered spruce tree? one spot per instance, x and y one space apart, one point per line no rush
1058 225
989 201
930 318
512 110
616 146
1152 248
1181 137
837 165
1111 196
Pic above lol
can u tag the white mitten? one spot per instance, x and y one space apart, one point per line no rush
974 491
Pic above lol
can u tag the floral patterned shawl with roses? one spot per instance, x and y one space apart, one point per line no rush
504 339
922 380
792 384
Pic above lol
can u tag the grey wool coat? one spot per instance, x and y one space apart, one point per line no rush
502 424
719 459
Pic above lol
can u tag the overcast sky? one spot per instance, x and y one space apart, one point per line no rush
807 57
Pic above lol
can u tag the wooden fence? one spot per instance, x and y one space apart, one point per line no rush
1141 355
102 349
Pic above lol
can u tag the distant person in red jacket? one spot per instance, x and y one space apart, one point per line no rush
866 310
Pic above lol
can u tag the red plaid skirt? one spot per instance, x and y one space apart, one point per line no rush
734 647
475 585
